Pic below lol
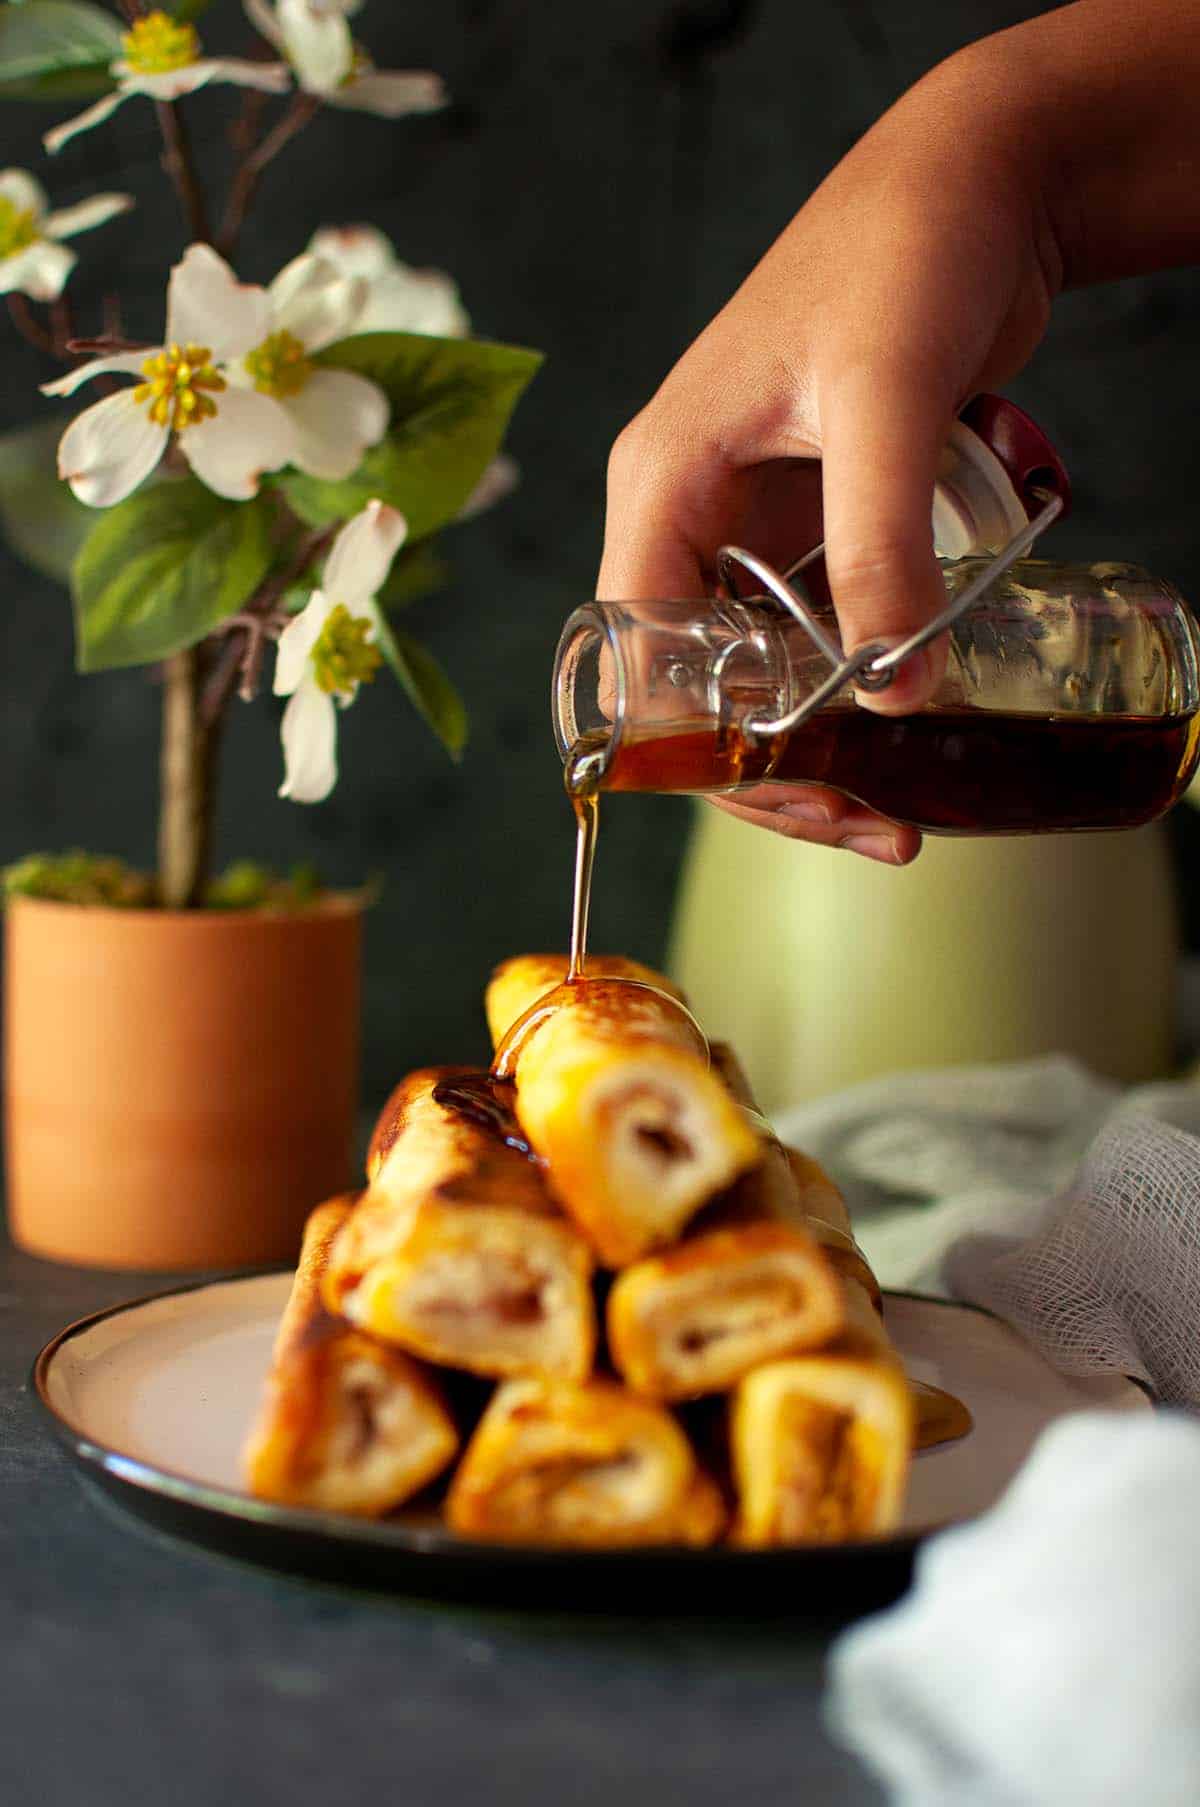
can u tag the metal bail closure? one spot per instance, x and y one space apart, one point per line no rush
871 667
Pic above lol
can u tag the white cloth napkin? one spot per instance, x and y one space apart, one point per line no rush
1049 1653
1040 1191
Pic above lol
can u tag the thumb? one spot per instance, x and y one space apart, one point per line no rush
882 432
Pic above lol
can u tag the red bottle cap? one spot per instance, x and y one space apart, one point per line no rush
1028 457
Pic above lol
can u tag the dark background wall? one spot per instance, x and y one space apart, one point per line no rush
605 178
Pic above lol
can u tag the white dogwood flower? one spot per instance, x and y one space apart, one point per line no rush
336 414
398 299
316 38
327 651
229 435
162 61
33 261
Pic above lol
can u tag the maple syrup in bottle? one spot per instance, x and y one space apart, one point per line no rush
1068 701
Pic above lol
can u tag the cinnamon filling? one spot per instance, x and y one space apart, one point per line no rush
515 1305
668 1144
828 1489
360 1404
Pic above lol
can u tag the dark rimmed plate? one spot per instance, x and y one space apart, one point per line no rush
153 1399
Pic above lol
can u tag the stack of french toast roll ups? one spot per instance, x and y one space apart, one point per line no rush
596 1304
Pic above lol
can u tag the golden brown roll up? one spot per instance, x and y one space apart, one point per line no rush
592 1466
695 1319
456 1252
518 984
618 1099
344 1425
821 1443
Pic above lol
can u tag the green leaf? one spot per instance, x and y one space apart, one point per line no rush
40 518
416 571
161 570
56 49
452 400
427 686
187 10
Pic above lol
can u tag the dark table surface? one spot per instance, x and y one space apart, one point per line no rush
136 1669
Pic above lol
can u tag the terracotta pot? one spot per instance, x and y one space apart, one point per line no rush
180 1087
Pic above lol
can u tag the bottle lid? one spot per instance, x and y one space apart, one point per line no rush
995 463
1030 461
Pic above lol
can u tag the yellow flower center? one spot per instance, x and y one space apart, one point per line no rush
177 379
18 227
156 44
280 365
344 653
360 65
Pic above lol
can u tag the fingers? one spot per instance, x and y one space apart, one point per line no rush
648 552
825 818
883 424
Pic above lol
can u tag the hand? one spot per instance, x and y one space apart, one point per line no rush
921 271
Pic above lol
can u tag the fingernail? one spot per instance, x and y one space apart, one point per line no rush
873 847
807 809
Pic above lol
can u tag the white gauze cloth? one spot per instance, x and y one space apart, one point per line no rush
1049 1653
1047 1195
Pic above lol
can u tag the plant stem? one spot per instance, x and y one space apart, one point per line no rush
29 326
249 175
185 784
181 167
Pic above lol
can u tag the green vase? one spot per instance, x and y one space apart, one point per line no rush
823 969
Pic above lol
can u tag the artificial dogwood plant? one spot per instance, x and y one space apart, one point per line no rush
275 468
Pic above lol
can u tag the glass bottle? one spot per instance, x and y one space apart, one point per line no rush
1068 700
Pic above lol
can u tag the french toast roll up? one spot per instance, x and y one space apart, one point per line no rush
821 1440
456 1251
345 1424
748 1284
821 1443
587 1466
615 1092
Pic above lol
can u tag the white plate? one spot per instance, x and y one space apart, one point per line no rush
155 1399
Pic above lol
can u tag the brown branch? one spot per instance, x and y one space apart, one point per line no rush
180 165
246 180
30 327
104 345
239 662
243 133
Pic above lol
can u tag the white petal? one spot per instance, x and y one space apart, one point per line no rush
309 735
318 43
261 15
67 221
110 449
39 271
499 480
249 434
124 363
169 84
83 122
337 415
362 554
24 191
207 305
390 93
272 78
297 641
355 250
414 301
317 302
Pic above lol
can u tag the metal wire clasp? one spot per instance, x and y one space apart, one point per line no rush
871 667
